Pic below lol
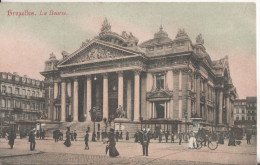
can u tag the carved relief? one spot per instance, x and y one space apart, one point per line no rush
97 52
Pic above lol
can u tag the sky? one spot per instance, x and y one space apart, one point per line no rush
228 29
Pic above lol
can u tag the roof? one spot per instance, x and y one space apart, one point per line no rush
160 38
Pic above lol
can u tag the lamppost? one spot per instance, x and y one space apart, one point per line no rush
93 113
186 118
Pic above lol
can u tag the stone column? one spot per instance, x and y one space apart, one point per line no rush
63 101
198 95
105 96
149 87
89 101
228 110
169 79
129 99
69 95
75 100
55 90
137 96
220 106
120 89
206 100
189 96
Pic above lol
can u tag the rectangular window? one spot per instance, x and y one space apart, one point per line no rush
17 91
237 118
8 103
243 111
253 118
248 118
33 93
243 117
3 103
3 89
160 82
28 105
23 92
28 93
9 89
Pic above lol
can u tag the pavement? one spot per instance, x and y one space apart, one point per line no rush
49 152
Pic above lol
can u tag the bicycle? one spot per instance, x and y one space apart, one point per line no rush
210 139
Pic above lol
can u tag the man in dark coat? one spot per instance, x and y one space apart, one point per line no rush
136 136
166 136
11 137
98 135
172 137
86 141
180 138
75 135
121 135
32 139
117 135
248 137
145 140
160 136
127 135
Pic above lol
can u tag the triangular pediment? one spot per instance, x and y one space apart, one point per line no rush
159 94
97 51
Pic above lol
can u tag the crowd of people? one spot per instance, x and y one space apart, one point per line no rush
143 137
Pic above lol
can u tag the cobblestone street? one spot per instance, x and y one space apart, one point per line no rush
49 152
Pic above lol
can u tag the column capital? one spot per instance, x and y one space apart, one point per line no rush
137 72
68 80
75 78
120 73
105 75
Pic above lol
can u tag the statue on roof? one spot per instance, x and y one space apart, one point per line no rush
124 35
106 27
64 54
52 56
199 39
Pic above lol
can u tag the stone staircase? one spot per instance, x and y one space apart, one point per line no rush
80 127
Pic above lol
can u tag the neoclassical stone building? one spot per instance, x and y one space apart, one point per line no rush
160 80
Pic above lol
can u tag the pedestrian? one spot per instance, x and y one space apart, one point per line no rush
32 139
232 140
121 135
136 137
37 134
160 136
180 137
221 138
88 128
11 137
102 134
248 137
43 134
68 136
112 144
117 135
166 136
127 135
75 135
172 137
145 139
98 135
72 136
192 141
86 141
94 136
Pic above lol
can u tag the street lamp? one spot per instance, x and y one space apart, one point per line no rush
93 113
186 118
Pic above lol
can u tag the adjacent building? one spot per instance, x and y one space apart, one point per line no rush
160 81
245 113
22 99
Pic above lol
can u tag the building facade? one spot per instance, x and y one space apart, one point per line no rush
159 79
240 112
22 99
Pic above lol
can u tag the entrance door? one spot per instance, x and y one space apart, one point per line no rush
112 107
160 106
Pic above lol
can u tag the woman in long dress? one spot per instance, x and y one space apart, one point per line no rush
192 141
112 144
68 136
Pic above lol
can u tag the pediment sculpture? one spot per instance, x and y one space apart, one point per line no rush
97 52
